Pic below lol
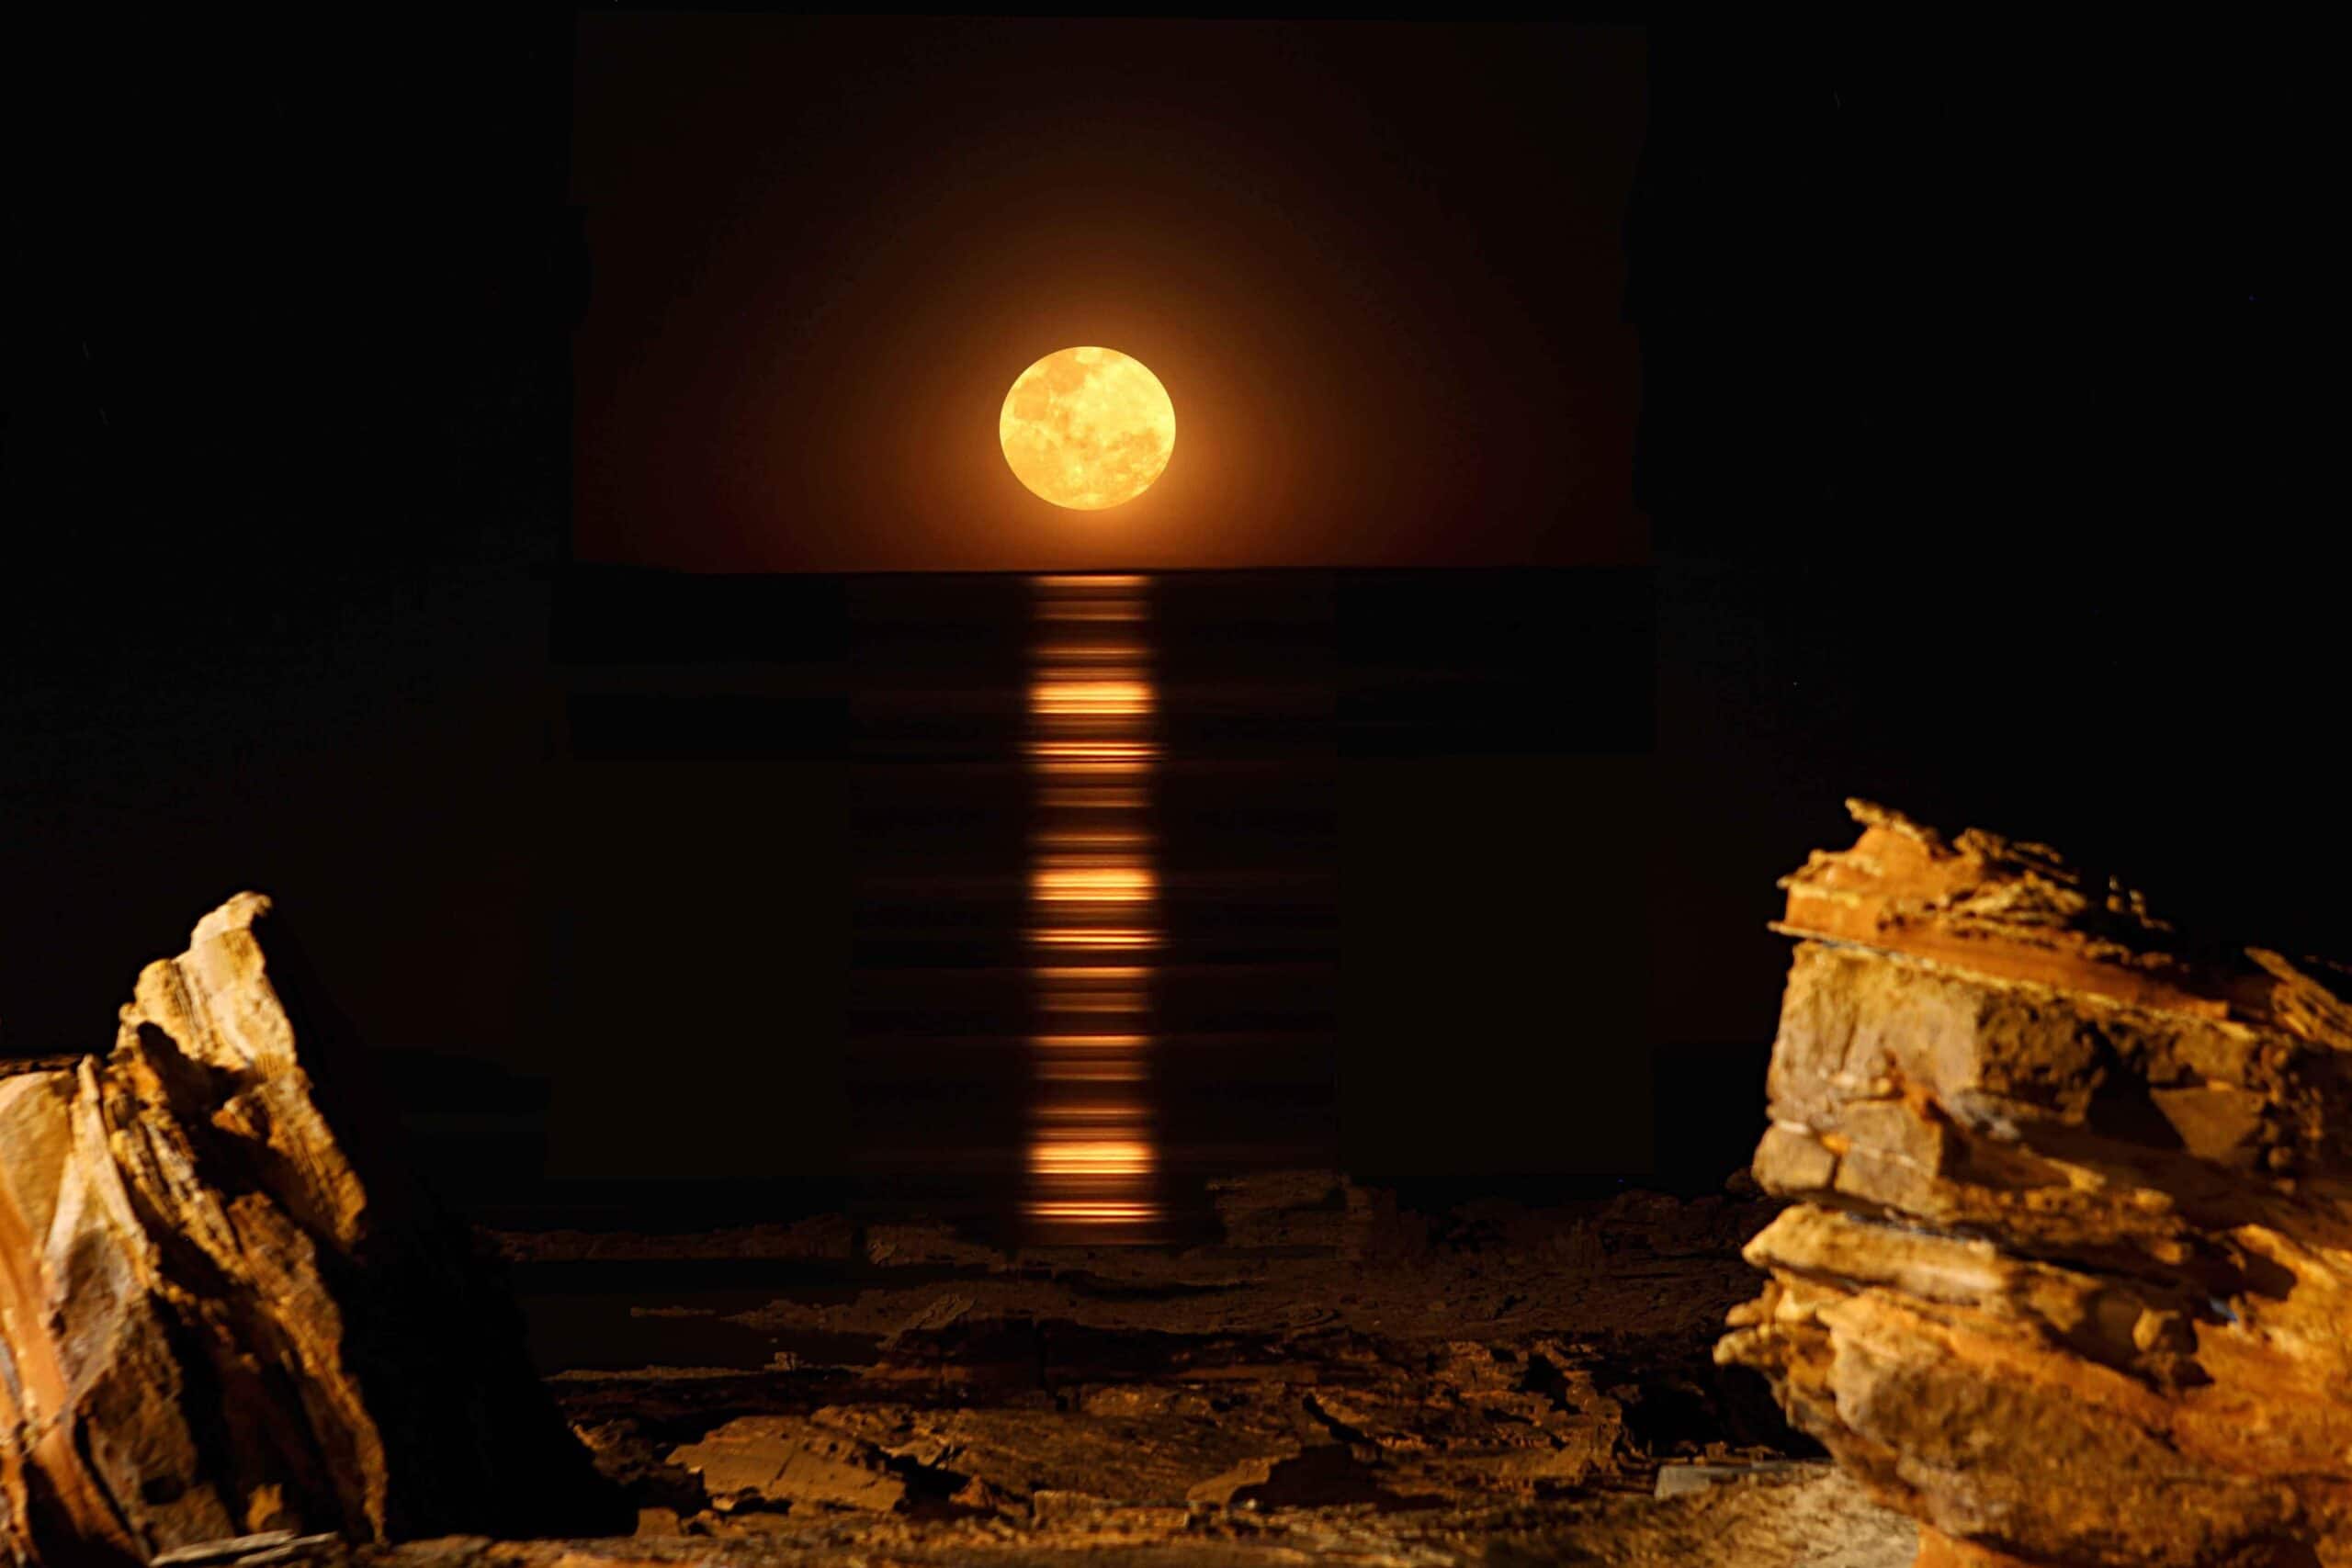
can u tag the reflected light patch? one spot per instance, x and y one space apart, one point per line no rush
1090 1156
1090 883
1103 1003
1085 1213
1088 1117
1088 1058
1094 755
1097 1072
1092 1162
1094 941
1093 797
1093 612
1089 697
1093 838
1074 660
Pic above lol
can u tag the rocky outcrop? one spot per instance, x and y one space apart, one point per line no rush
223 1308
2071 1281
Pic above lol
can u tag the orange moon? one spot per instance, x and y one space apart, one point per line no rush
1088 428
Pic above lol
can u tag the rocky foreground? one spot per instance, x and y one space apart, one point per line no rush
2071 1283
2057 1227
225 1308
1337 1379
1341 1382
234 1331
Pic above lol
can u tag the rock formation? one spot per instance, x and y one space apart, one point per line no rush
223 1307
2071 1281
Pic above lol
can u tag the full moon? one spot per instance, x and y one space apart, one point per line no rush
1088 428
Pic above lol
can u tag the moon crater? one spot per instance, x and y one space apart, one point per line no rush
1088 428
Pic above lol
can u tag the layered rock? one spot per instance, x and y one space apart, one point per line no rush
223 1307
2071 1281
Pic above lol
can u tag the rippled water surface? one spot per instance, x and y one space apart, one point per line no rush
1096 943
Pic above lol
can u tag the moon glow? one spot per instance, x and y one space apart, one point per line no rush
1088 428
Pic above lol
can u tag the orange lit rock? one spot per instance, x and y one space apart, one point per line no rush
2071 1278
789 1459
224 1310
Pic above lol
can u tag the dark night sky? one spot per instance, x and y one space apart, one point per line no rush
1377 266
1958 393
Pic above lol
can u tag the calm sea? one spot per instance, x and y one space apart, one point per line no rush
1041 901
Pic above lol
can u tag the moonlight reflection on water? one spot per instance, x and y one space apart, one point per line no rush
1092 1167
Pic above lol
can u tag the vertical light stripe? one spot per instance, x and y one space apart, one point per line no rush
1094 923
